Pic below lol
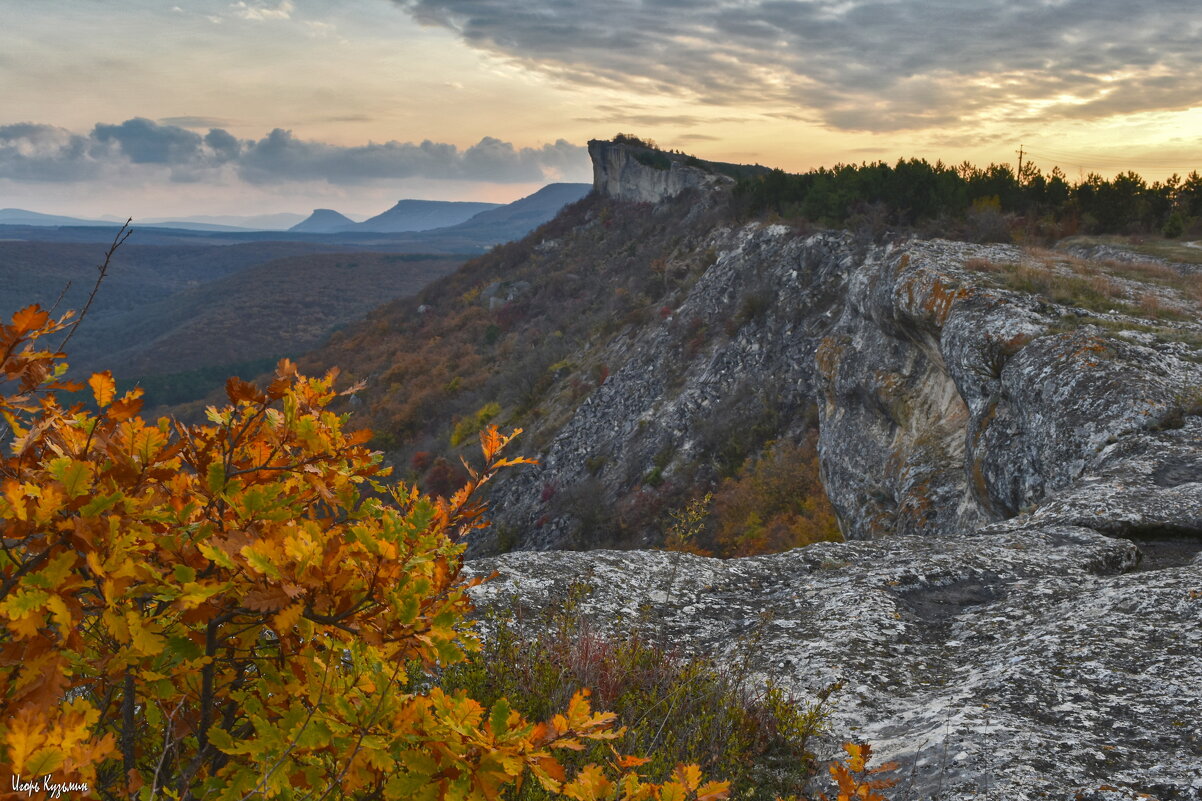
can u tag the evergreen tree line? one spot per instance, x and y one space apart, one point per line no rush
987 203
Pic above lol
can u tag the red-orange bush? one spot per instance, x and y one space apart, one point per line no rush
776 502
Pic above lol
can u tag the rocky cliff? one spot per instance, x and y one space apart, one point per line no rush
646 175
1012 439
945 401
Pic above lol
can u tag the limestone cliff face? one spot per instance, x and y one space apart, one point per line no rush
641 175
944 402
947 403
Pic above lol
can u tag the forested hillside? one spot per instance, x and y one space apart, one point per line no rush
277 308
178 320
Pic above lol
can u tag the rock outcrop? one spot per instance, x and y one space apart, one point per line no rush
947 403
944 402
1018 612
645 175
1011 663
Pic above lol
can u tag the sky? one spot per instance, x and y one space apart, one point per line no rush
157 108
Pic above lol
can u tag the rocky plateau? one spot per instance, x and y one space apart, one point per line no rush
1017 610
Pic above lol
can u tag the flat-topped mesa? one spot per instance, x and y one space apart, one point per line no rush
645 175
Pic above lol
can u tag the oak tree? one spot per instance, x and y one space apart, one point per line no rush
228 610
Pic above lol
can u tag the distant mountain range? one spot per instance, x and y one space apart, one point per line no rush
466 228
23 217
525 214
202 222
406 215
255 222
174 311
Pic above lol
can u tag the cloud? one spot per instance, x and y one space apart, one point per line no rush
144 141
32 152
45 153
260 11
875 65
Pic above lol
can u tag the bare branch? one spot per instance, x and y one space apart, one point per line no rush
101 271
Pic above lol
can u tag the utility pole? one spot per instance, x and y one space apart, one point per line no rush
1020 165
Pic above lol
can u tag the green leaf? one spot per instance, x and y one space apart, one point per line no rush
25 601
99 504
216 477
260 562
76 476
215 555
184 573
221 740
184 648
315 735
499 717
45 761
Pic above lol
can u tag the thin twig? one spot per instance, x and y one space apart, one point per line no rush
60 297
101 271
988 756
913 770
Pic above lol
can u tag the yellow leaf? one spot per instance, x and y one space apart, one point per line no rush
287 618
689 776
23 737
142 639
25 628
58 609
857 755
103 388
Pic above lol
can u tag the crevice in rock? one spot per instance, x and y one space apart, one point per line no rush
1165 552
1161 545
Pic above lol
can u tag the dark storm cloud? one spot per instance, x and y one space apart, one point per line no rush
858 64
33 152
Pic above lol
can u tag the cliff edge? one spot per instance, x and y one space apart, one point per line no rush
640 174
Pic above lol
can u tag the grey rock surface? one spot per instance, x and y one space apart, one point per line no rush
1019 663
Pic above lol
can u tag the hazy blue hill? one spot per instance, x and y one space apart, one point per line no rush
466 228
423 215
24 217
323 221
281 221
522 216
187 225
